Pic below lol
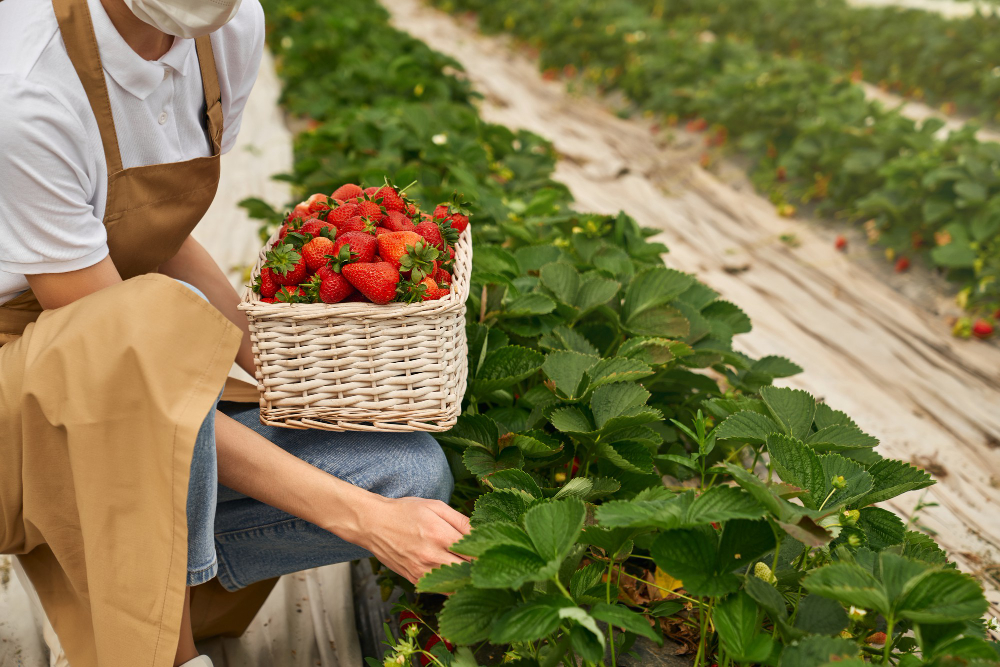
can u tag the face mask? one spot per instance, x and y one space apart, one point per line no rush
185 18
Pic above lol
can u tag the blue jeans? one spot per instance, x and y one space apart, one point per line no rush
242 540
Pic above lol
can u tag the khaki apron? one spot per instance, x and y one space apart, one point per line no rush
100 405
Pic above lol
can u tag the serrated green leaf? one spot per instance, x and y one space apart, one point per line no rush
504 505
941 596
567 370
629 456
481 462
664 321
792 408
530 445
494 259
624 618
602 486
747 426
505 367
472 431
586 578
554 526
722 503
446 579
469 615
629 418
571 420
594 291
514 479
923 548
730 314
654 287
839 437
890 478
614 400
813 651
881 527
767 596
525 305
534 257
798 464
856 479
818 615
649 350
827 416
562 279
529 620
775 367
509 566
735 619
617 369
489 535
849 584
578 487
564 338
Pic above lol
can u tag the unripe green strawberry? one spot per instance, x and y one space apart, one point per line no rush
763 572
850 518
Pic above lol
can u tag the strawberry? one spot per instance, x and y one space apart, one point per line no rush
361 246
376 281
315 227
454 212
433 641
370 192
369 209
287 264
697 125
379 231
266 285
410 253
356 224
435 293
392 247
334 287
301 210
397 222
318 202
347 192
391 199
269 299
982 328
292 294
876 638
357 297
437 234
407 617
902 264
441 276
840 243
315 252
342 214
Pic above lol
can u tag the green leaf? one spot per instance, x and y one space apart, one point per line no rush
514 479
793 408
797 464
586 638
529 620
499 506
594 291
649 350
827 416
571 420
562 279
839 437
881 527
529 304
469 615
480 462
505 367
794 519
813 651
534 257
494 259
722 503
489 535
747 426
849 584
529 445
586 578
623 617
629 456
554 526
615 400
472 431
446 579
942 596
665 321
578 487
768 597
568 339
735 619
508 566
567 369
891 478
730 314
821 616
654 287
775 367
617 369
857 480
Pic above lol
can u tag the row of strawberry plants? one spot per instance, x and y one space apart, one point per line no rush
595 371
811 134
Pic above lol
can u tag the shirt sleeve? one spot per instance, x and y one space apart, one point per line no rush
47 221
243 47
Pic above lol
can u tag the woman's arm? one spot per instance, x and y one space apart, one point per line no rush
194 265
411 536
54 290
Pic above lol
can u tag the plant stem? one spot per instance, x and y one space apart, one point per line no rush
556 652
611 628
830 495
561 587
887 649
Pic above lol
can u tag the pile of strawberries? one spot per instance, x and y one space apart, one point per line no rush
363 244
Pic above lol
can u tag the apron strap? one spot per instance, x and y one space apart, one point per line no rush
81 45
213 94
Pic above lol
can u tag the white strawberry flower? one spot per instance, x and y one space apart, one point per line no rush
439 139
855 613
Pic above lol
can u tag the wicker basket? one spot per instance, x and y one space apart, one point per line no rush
362 366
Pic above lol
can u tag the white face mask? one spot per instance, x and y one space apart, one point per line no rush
185 18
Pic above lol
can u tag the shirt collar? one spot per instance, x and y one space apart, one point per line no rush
132 72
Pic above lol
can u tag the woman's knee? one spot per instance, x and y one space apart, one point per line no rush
419 469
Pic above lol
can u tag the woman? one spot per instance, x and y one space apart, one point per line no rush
117 329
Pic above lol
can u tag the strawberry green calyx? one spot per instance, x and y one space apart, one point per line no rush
296 239
419 260
448 234
282 259
408 291
291 295
311 288
458 205
342 258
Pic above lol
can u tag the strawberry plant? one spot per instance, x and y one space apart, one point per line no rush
629 473
807 126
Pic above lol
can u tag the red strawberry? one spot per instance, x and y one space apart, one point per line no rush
840 243
397 222
433 641
454 212
356 224
392 247
441 276
316 226
376 281
342 214
266 285
902 264
318 202
334 287
438 234
982 328
269 299
876 638
301 210
357 297
348 191
369 209
391 200
315 252
362 246
432 291
379 231
407 617
288 265
371 191
292 294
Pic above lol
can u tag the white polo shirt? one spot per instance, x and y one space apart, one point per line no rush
53 173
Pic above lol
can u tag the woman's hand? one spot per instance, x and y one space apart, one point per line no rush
411 536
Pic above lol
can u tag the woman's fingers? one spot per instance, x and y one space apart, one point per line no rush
457 520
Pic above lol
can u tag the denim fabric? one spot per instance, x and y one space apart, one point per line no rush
254 541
